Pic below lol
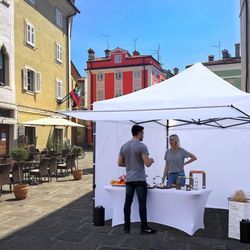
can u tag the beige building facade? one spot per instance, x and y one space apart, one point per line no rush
42 66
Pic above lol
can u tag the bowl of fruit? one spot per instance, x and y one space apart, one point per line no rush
120 182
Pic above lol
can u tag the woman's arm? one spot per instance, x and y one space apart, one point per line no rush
192 158
165 172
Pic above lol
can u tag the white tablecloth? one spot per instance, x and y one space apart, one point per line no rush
176 208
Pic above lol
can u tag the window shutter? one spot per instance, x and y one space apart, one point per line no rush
26 32
33 35
55 51
37 82
25 78
60 53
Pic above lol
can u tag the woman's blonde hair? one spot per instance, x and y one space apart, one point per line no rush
176 138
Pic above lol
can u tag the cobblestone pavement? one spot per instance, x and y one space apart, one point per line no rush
43 199
58 215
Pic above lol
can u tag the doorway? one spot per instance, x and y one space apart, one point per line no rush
4 139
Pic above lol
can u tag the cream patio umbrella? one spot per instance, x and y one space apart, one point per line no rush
52 121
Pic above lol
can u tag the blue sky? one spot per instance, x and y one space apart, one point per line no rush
186 30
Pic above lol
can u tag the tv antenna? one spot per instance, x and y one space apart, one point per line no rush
135 40
218 46
157 52
107 37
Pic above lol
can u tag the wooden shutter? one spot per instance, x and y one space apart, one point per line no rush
25 78
37 82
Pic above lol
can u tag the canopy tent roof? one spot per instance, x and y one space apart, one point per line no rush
195 95
52 121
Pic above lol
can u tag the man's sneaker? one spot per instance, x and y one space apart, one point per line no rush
148 230
126 230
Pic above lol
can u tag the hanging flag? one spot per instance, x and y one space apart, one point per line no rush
75 95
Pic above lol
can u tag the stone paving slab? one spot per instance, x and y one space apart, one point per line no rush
58 215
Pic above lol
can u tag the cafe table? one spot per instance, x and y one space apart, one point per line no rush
180 209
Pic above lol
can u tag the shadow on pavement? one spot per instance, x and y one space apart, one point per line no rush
70 227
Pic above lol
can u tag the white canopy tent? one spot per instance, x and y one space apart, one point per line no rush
194 97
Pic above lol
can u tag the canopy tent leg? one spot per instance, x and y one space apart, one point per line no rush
167 133
94 185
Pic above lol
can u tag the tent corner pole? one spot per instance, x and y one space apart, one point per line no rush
94 185
167 133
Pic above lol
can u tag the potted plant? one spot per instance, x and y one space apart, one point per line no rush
76 152
20 154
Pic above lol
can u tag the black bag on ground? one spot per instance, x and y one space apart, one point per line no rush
245 231
98 216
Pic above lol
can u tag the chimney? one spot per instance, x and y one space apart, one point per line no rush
225 54
107 52
136 53
176 70
91 54
211 58
237 50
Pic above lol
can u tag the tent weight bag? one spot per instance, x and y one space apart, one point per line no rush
99 216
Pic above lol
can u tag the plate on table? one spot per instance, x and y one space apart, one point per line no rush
162 187
118 185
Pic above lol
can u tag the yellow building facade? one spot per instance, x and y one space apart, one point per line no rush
42 66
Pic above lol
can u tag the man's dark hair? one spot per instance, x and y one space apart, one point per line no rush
136 129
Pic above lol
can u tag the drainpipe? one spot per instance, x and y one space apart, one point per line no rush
144 74
69 25
69 57
247 60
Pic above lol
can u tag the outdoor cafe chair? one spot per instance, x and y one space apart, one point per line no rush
7 159
65 152
37 157
5 175
52 167
66 166
41 171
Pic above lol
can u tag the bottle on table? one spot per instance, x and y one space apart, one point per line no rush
196 183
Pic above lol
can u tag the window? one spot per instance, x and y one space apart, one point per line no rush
137 86
118 76
59 18
31 80
58 53
118 58
100 77
137 75
59 89
118 88
2 68
100 95
29 34
30 135
118 92
58 138
100 91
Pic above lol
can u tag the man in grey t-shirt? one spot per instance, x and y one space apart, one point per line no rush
134 155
